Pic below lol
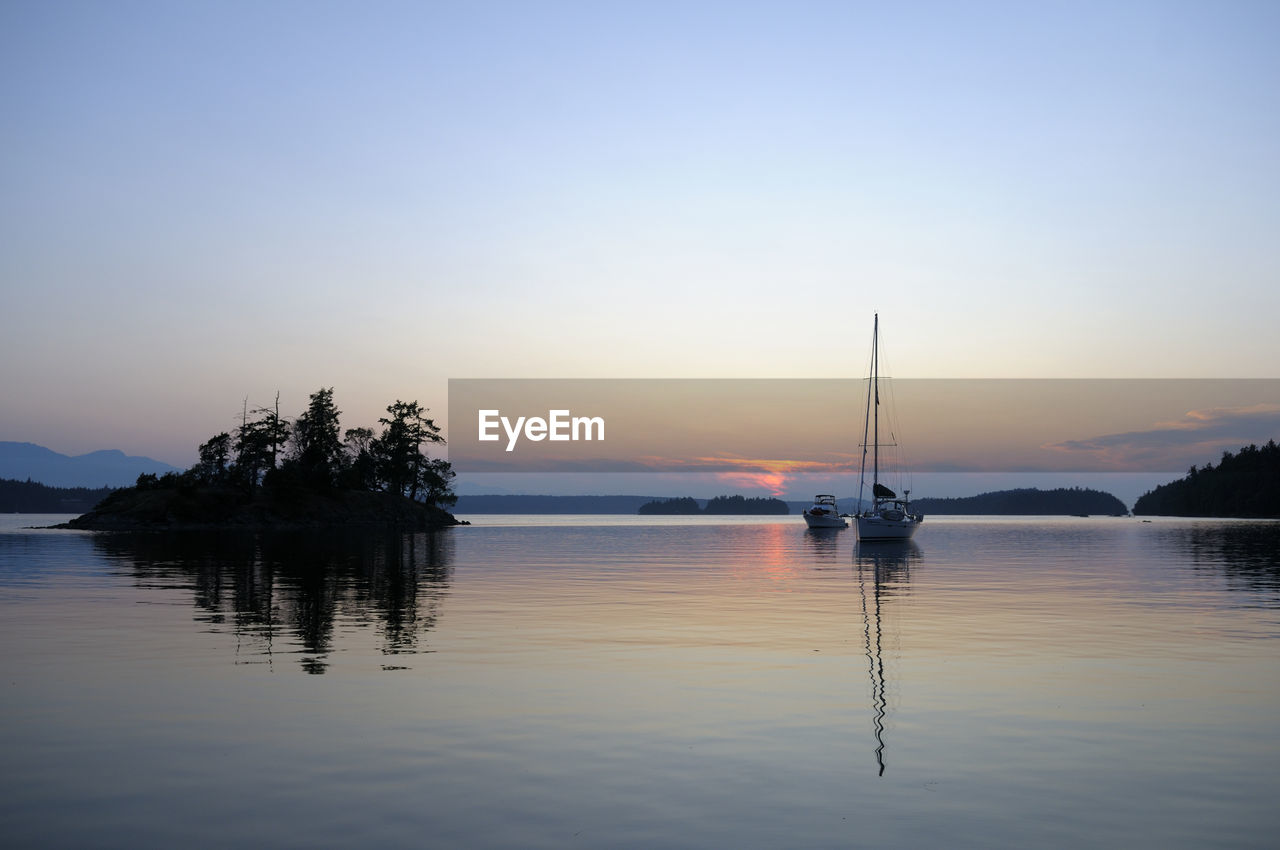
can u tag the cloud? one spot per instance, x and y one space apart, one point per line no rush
1172 445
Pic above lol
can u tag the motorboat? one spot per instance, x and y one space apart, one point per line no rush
823 513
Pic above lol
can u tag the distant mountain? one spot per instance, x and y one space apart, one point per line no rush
106 468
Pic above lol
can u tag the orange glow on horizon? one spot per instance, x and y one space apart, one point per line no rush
768 474
774 482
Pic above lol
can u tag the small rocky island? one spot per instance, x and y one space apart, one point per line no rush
305 473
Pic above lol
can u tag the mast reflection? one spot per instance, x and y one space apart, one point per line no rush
886 567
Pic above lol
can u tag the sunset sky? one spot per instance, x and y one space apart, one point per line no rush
203 202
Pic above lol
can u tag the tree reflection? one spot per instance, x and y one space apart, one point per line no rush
306 590
884 570
1245 554
1248 554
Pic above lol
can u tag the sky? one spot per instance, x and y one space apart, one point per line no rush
203 204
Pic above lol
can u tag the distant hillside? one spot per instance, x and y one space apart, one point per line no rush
848 505
507 504
1246 484
31 497
107 468
549 504
1028 502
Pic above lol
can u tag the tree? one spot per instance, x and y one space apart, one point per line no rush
398 451
214 454
360 471
257 445
318 455
318 459
436 483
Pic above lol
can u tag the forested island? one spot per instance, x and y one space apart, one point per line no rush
1244 484
301 473
1027 501
719 506
32 497
683 506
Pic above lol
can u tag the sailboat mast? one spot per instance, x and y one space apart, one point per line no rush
875 381
862 467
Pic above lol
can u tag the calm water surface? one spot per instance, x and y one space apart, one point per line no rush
644 682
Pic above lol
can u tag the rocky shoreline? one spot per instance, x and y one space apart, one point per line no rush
213 508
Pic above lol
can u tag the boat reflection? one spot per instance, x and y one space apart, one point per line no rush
307 589
884 571
825 542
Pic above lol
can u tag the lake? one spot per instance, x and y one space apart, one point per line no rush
644 682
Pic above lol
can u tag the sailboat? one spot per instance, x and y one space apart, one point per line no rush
889 517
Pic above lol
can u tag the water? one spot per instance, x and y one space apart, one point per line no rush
644 682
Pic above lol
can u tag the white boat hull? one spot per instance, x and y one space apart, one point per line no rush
824 520
879 528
